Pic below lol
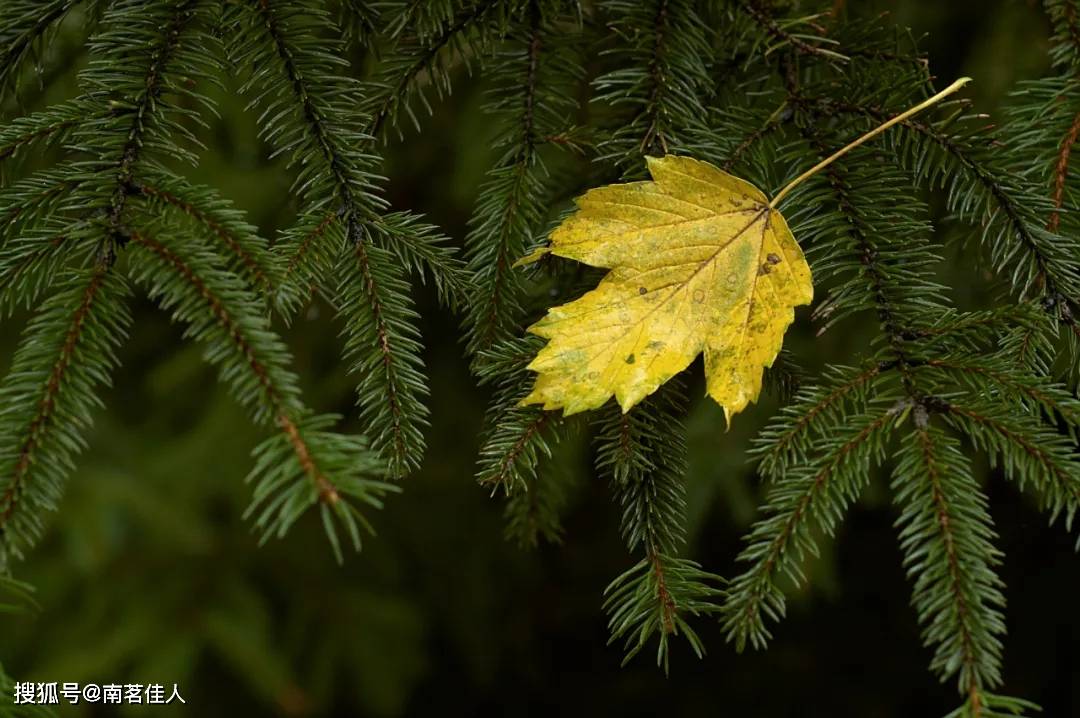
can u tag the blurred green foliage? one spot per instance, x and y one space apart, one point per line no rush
149 574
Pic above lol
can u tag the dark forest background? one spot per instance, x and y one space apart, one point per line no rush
150 574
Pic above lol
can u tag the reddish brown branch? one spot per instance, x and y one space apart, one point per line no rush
941 508
305 245
47 405
214 226
1003 379
975 701
1033 451
668 607
776 547
382 334
1061 172
10 148
511 456
827 401
327 491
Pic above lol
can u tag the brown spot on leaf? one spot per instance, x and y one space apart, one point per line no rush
764 269
641 290
699 296
630 359
772 258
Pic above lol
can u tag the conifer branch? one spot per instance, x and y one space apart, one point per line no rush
1061 172
273 401
515 439
253 362
22 23
654 141
773 124
372 298
28 201
503 474
1065 48
815 411
312 113
983 704
310 237
859 232
1028 451
143 106
502 223
375 304
31 260
812 498
947 535
28 268
328 493
777 32
66 353
1053 400
1051 275
47 405
646 471
49 125
247 252
312 121
1003 200
973 326
535 503
642 453
661 77
425 252
530 516
401 76
36 236
653 598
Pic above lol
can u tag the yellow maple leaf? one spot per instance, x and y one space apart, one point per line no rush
701 263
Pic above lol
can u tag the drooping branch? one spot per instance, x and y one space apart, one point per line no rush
812 498
67 352
282 407
947 538
1061 172
251 260
496 243
45 413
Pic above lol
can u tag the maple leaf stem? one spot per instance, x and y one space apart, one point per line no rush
928 102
